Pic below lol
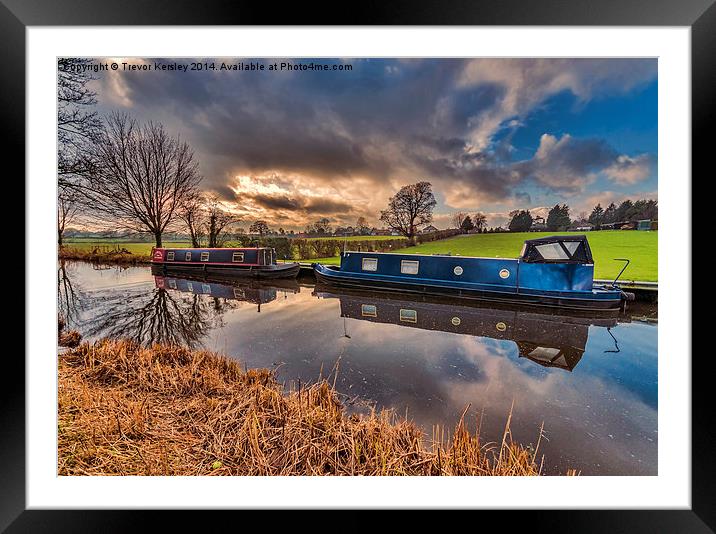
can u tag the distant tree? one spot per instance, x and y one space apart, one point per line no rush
281 231
259 227
521 221
458 218
467 224
623 211
218 219
558 218
362 226
410 208
67 210
323 225
610 214
479 220
597 215
644 209
140 176
192 214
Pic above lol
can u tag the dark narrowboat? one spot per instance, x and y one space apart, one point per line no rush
245 262
556 271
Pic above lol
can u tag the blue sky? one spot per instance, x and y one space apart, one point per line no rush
491 135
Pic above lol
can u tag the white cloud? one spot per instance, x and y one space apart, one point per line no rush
630 170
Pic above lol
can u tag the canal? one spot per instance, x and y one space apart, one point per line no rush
591 381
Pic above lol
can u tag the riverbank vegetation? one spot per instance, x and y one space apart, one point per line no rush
128 410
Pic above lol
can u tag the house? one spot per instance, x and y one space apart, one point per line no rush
429 229
538 225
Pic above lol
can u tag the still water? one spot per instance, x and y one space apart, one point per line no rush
592 382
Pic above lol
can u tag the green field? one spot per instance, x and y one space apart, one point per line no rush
141 249
640 247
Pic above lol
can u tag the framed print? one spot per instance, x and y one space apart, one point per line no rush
359 265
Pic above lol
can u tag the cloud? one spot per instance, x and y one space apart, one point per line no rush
630 170
342 144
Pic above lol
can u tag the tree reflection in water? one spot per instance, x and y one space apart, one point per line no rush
69 294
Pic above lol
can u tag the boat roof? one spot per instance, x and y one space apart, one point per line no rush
556 239
212 248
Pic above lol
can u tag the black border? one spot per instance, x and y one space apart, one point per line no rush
700 15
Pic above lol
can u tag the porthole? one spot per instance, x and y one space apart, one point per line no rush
501 327
455 321
504 273
457 270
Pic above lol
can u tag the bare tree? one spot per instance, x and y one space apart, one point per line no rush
192 214
458 218
259 227
411 207
218 220
78 124
362 226
141 176
68 209
479 220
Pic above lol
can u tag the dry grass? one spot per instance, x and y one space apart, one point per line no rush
103 254
128 410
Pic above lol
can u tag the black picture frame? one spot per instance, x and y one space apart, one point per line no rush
699 15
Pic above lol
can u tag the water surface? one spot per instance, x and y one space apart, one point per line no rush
592 382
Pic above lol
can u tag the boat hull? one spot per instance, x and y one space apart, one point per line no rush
263 272
606 301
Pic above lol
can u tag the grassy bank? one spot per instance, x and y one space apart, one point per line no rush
127 410
117 254
640 247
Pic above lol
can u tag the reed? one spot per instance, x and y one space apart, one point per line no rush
129 410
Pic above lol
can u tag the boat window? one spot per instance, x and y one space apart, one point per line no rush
170 256
370 264
572 246
369 310
409 316
188 256
238 257
190 286
409 266
552 251
204 256
239 293
206 289
172 283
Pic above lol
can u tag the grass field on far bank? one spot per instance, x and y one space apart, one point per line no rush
640 247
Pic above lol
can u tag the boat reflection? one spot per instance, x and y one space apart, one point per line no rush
254 291
546 338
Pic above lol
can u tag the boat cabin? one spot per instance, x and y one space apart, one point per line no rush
557 263
213 256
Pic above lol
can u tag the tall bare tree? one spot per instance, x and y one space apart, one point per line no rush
78 124
410 208
141 176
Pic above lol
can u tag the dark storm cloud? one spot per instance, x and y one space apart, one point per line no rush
384 120
317 205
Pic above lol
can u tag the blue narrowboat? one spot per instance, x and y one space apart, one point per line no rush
245 262
556 271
